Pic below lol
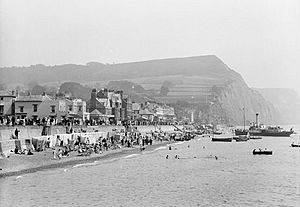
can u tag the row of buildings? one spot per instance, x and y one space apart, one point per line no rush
114 106
104 107
34 108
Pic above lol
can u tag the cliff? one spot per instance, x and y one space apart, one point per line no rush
285 100
236 96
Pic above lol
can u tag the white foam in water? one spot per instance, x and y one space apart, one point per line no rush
160 148
65 170
84 164
178 143
132 155
19 177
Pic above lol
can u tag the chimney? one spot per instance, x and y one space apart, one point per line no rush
93 100
257 119
93 94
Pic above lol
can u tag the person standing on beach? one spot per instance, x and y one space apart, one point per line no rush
17 133
54 153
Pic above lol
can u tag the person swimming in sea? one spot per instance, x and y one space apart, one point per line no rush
167 157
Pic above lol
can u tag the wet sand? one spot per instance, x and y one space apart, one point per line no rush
23 164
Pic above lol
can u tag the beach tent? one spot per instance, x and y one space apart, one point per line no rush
18 144
38 144
6 147
28 144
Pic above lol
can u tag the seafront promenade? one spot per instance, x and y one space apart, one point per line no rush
15 164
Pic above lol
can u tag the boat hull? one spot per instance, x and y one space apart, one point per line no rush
262 152
227 139
264 133
255 137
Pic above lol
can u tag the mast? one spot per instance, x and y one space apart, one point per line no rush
244 117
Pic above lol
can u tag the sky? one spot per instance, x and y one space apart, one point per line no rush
260 39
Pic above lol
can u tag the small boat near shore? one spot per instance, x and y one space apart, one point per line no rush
262 152
217 132
241 138
255 137
295 145
222 139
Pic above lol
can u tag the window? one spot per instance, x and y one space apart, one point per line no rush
1 98
1 109
35 107
70 108
52 109
79 108
21 109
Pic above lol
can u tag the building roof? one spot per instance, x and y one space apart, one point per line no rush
136 106
145 112
95 112
101 94
33 98
103 102
6 94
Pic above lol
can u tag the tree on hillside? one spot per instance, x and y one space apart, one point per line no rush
165 88
164 91
125 86
38 90
76 89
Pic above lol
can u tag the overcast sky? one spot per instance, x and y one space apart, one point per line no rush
258 38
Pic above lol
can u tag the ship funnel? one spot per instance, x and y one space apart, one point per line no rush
257 119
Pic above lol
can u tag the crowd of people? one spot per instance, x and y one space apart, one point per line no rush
51 121
84 147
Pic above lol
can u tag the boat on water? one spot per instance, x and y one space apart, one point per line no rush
295 145
241 138
262 152
183 136
265 131
222 139
260 130
255 137
217 132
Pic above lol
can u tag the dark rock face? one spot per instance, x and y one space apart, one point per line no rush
237 96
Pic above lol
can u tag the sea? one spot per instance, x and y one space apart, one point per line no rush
206 174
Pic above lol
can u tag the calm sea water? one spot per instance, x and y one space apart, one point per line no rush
236 178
